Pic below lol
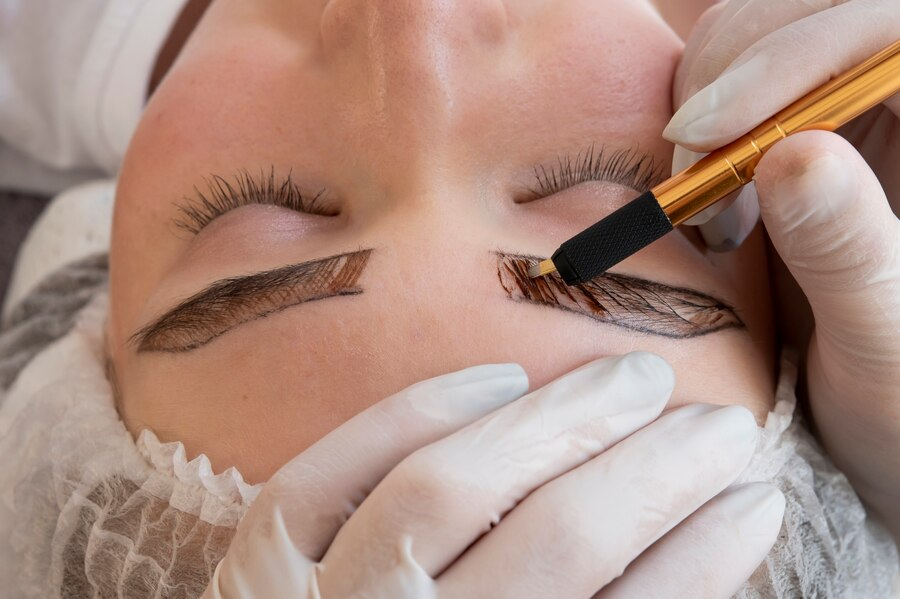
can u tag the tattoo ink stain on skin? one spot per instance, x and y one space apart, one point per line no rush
229 303
620 300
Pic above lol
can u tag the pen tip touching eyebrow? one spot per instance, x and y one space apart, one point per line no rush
542 268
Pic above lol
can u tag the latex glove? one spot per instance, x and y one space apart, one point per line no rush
748 59
440 491
825 210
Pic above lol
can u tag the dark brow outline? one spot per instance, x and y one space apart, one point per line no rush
621 300
231 302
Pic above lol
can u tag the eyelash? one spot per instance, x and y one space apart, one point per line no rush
222 196
624 167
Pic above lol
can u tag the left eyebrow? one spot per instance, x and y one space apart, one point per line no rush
231 302
621 300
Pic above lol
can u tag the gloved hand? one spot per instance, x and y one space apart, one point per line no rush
827 213
454 487
747 59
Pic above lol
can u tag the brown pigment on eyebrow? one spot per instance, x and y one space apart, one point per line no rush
624 301
229 303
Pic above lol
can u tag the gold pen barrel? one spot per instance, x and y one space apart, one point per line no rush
837 102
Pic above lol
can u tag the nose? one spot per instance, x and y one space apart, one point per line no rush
408 29
403 68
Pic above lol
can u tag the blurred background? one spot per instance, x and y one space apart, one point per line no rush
18 212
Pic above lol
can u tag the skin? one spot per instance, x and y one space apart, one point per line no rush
423 120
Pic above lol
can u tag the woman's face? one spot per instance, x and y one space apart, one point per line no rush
433 143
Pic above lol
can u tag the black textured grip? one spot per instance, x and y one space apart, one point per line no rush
606 243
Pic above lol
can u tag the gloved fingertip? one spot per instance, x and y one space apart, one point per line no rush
715 210
682 158
819 191
641 379
479 374
717 238
728 230
720 111
650 365
638 383
467 394
504 381
756 509
711 212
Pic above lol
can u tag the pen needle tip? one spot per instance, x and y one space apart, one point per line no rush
540 269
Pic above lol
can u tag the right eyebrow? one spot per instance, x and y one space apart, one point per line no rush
231 302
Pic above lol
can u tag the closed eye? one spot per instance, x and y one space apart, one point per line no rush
628 167
222 195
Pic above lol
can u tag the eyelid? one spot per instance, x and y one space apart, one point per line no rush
626 167
222 196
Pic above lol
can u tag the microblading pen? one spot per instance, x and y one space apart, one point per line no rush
655 213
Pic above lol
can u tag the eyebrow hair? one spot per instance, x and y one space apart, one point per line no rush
231 302
621 300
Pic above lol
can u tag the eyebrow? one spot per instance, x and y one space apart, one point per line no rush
621 300
231 302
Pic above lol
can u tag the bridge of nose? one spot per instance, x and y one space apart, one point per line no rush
408 58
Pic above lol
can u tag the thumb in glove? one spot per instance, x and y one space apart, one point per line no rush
830 220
